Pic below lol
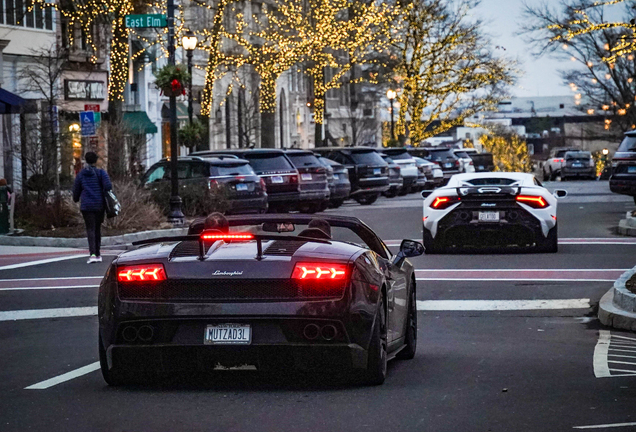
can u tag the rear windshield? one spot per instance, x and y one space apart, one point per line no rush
303 160
628 144
561 153
398 154
437 155
461 154
268 162
367 158
578 155
230 170
491 182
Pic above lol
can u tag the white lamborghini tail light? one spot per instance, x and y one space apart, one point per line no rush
141 273
537 202
443 202
319 271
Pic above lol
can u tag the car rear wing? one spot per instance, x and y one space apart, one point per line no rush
215 235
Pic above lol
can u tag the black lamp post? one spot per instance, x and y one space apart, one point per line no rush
176 215
391 94
189 42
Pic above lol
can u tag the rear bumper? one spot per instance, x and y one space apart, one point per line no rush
340 191
409 181
625 185
396 183
273 197
578 172
238 205
448 174
320 195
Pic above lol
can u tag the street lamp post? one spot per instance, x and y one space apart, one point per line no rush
391 94
189 42
176 215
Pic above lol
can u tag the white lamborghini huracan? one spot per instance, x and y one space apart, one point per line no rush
491 210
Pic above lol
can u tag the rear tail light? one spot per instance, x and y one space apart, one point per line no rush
221 236
141 273
213 184
263 185
319 271
557 160
443 202
533 201
293 179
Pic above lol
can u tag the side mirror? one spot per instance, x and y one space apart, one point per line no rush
560 193
426 193
408 248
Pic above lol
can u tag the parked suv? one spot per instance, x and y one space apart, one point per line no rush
245 191
552 167
465 161
338 179
623 179
313 183
578 164
395 177
444 156
408 167
368 173
278 172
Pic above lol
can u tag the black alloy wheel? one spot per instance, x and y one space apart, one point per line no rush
546 177
367 199
375 373
336 203
410 339
391 193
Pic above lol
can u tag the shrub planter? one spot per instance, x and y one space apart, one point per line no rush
618 306
627 226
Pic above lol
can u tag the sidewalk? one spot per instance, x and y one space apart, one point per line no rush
36 250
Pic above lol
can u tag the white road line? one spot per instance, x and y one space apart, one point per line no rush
51 279
620 355
500 305
601 368
47 313
603 426
632 372
623 350
64 377
47 288
622 362
515 279
521 270
38 262
624 337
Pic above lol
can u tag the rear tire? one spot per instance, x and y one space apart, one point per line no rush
113 377
550 244
336 203
390 193
410 337
367 199
553 175
375 373
430 245
546 177
634 199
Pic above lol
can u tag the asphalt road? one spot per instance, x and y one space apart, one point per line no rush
506 343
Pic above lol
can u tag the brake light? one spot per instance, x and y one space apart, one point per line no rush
213 184
293 179
557 160
322 271
221 236
533 201
141 273
443 202
263 185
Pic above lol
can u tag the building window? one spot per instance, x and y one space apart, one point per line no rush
22 13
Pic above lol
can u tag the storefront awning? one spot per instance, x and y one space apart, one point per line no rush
182 111
139 123
10 103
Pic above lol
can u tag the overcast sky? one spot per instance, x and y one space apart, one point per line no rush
541 76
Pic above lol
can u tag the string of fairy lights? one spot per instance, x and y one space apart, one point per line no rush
617 57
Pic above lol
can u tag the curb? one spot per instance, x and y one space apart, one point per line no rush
618 306
121 240
627 226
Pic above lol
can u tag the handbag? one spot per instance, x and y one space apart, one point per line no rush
111 203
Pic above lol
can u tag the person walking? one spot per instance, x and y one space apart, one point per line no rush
90 185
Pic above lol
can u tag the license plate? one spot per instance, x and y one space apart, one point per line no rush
577 165
448 165
631 169
305 176
277 179
228 334
480 167
377 171
488 216
241 187
335 176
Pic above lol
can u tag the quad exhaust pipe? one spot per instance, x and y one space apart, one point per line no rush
129 334
144 333
327 332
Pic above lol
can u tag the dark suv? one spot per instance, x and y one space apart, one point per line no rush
314 187
444 156
578 164
623 179
368 173
278 172
235 177
338 179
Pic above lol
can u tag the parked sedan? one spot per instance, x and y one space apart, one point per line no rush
408 167
431 172
245 191
338 179
396 182
623 179
578 164
466 162
314 187
443 156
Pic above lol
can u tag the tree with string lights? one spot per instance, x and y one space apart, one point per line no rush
602 53
446 68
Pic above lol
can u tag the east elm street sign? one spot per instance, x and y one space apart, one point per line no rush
146 21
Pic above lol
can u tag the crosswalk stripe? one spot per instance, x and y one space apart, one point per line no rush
64 377
501 305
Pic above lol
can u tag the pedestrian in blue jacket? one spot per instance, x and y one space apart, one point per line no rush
90 185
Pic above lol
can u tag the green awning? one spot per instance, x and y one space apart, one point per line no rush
138 122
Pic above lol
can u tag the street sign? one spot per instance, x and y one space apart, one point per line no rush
146 21
87 123
92 107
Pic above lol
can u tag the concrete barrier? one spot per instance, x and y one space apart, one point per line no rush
618 306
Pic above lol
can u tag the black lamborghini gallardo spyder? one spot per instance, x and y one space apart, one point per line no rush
270 293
